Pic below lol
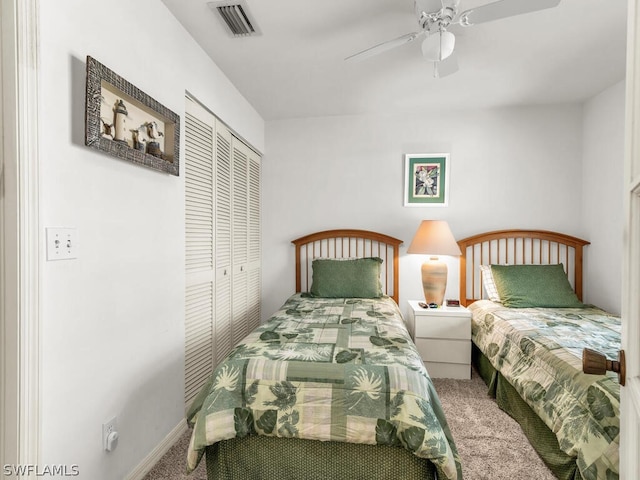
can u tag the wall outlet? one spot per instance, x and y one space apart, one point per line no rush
110 434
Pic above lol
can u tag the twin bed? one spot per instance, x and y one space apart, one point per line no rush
331 386
529 329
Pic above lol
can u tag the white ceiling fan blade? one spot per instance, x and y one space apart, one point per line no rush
433 6
450 3
503 9
446 67
428 6
383 47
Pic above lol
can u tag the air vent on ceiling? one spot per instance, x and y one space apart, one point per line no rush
236 17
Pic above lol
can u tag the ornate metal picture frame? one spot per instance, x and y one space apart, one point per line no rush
125 122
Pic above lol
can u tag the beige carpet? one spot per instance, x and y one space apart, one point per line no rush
491 444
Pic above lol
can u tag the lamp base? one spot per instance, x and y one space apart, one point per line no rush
434 280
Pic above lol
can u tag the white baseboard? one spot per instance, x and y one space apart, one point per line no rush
157 453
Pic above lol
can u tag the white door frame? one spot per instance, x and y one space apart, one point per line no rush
19 236
630 394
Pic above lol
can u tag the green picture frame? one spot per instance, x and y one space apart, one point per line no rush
426 180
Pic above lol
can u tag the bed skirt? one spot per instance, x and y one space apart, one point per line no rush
539 435
260 458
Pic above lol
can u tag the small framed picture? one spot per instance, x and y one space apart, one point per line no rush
426 180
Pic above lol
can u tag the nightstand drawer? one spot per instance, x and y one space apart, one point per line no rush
446 351
448 370
443 327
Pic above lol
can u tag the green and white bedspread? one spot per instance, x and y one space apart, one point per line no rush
539 351
327 369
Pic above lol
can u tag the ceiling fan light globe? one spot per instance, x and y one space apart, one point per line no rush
438 46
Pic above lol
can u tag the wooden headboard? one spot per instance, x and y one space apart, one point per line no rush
348 244
515 247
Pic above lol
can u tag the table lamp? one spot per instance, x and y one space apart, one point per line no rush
434 238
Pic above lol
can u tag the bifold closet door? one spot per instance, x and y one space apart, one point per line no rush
240 239
246 240
254 275
200 140
223 253
224 243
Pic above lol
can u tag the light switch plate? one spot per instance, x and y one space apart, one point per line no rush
62 243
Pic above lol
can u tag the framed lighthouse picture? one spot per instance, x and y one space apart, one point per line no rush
123 121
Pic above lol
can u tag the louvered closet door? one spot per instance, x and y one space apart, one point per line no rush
199 240
254 280
224 241
223 260
246 240
240 250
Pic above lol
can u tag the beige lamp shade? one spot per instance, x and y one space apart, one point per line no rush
434 238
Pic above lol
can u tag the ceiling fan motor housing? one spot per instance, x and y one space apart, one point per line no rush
436 19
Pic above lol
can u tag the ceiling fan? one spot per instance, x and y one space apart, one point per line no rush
436 16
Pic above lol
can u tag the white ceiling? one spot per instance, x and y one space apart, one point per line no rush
296 67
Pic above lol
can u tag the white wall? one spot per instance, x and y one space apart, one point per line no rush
602 196
113 320
510 168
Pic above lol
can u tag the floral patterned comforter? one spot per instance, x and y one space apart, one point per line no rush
539 351
327 369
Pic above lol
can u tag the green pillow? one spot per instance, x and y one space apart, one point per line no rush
523 286
348 278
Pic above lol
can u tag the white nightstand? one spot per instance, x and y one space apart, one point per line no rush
443 338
